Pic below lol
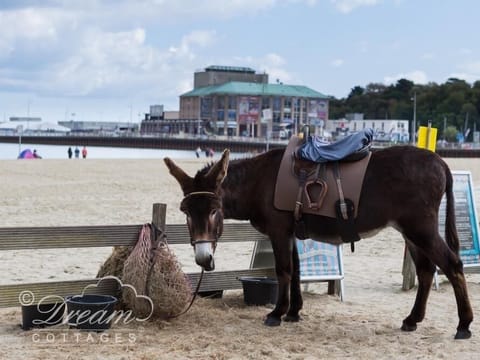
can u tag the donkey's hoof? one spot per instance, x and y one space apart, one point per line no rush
272 321
463 334
292 318
407 327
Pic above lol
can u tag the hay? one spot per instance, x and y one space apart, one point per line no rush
114 264
168 286
153 272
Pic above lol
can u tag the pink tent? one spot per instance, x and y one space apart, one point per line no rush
26 154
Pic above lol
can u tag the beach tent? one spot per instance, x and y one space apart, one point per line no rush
26 154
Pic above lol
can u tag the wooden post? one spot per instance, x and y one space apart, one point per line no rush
408 271
159 215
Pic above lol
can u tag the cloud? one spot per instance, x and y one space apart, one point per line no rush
337 62
417 76
200 38
34 28
469 72
271 63
347 6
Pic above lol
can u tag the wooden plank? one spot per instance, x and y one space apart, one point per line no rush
218 280
109 235
67 236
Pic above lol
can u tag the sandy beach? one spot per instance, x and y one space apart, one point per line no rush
113 192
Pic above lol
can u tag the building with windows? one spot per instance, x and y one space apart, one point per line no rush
385 130
237 101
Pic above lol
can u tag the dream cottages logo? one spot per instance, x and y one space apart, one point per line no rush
84 311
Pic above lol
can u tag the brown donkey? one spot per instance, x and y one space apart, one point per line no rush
402 188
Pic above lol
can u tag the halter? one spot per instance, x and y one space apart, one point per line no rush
200 193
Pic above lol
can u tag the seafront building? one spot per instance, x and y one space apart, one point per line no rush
237 101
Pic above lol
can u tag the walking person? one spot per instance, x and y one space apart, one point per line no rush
84 152
70 152
77 152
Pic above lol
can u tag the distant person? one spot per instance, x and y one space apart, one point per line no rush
35 155
77 152
70 152
198 152
211 153
84 152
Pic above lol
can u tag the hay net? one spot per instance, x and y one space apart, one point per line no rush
154 271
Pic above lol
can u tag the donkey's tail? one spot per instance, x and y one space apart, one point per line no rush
451 235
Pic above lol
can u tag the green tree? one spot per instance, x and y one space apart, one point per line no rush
451 134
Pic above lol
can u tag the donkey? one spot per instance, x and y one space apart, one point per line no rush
403 187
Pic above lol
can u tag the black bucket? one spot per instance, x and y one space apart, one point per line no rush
259 290
90 312
42 315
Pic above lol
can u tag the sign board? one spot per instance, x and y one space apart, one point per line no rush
318 261
427 138
466 218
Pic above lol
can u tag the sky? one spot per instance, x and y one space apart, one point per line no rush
109 60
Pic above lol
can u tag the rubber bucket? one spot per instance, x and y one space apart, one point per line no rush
259 290
90 312
42 315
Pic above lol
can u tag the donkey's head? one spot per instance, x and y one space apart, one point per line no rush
202 204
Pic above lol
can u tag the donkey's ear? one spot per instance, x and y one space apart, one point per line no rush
219 169
181 176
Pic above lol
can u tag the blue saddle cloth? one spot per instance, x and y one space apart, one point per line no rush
352 147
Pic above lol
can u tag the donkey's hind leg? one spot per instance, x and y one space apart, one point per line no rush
452 267
438 252
425 272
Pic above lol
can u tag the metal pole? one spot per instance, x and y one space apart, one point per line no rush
199 115
414 130
444 126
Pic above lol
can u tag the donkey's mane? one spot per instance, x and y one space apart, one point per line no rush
239 170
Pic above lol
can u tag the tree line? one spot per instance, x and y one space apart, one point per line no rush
452 107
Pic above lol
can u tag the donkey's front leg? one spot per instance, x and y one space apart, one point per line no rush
296 301
283 268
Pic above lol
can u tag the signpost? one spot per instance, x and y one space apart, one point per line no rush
467 227
318 261
466 219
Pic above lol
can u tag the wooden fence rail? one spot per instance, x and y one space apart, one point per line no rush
22 238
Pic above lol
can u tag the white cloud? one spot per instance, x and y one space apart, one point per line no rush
347 6
201 38
272 64
30 27
469 72
337 62
417 76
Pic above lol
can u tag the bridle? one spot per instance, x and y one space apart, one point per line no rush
210 194
194 242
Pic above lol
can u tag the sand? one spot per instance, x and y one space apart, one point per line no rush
109 192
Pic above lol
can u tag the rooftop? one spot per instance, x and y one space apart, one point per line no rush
230 69
248 88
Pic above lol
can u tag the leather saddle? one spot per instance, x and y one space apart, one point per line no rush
324 180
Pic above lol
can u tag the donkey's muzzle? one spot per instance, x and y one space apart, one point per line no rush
204 255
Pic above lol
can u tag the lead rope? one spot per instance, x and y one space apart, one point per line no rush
160 237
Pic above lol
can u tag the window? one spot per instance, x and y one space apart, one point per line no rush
232 102
265 103
277 104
